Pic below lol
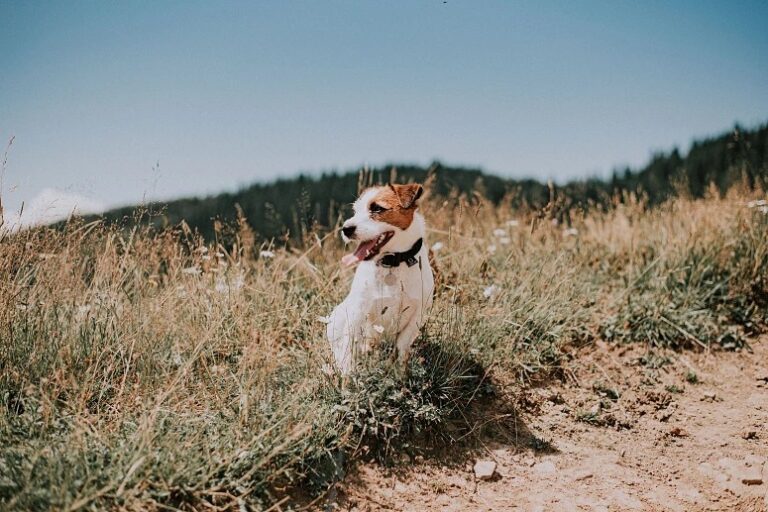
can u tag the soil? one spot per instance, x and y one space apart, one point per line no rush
624 429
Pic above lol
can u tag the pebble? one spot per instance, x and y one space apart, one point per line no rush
485 469
545 468
584 475
752 477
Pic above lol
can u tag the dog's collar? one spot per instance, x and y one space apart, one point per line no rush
394 259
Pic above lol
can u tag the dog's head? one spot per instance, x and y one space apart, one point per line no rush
381 213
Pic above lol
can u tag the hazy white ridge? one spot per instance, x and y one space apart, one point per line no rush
51 205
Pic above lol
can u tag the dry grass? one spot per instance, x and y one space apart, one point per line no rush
144 370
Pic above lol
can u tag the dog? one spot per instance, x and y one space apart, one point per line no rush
392 289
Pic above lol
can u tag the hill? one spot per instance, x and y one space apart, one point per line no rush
291 206
149 370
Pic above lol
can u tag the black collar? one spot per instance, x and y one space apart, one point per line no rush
394 259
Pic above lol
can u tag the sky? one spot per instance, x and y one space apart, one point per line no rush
114 103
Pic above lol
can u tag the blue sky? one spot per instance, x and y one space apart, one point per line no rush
223 94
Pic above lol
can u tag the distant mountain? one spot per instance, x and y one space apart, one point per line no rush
288 207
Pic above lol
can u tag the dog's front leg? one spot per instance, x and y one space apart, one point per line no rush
405 339
341 334
342 351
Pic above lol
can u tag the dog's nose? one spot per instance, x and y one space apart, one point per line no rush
348 231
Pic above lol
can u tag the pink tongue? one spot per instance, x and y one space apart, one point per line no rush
360 253
349 259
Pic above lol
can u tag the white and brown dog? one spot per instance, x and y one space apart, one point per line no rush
393 284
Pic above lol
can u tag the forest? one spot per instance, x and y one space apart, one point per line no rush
292 207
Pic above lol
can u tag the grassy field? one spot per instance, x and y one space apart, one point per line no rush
148 370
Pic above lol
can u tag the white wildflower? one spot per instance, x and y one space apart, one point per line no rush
555 222
763 210
570 232
491 249
267 254
498 232
82 312
224 285
192 271
504 240
513 223
490 291
378 328
437 246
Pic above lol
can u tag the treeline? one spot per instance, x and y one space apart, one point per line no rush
289 207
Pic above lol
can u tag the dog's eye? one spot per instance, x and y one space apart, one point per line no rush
377 208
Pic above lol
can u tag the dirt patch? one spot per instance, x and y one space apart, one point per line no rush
629 429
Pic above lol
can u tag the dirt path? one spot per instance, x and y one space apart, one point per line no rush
665 443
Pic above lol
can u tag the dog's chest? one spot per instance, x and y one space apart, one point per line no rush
389 296
401 282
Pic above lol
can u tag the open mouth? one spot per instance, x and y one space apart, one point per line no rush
367 249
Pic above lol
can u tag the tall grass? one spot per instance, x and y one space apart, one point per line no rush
146 370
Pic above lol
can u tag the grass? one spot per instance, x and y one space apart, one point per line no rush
146 370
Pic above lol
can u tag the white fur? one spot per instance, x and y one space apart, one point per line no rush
374 310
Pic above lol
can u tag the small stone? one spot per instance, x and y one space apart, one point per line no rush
710 395
545 468
584 475
752 477
749 434
678 432
484 469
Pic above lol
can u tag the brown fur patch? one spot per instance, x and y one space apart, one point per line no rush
399 202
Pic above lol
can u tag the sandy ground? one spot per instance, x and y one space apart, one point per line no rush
664 443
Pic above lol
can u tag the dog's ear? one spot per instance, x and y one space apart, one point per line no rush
407 195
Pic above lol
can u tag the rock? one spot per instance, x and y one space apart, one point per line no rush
584 475
752 477
484 469
678 432
710 395
749 434
545 468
